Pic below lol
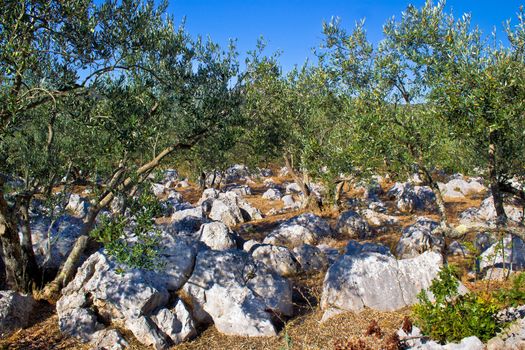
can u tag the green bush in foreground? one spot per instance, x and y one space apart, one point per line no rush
451 316
137 244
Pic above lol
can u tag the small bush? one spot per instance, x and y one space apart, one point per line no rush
133 241
515 295
451 316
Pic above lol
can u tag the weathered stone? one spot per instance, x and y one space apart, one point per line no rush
351 224
506 254
311 258
412 198
176 323
235 173
52 245
272 194
418 238
277 258
487 213
331 253
354 247
77 206
512 338
230 209
15 311
240 190
216 235
234 291
289 202
108 339
146 332
303 229
78 322
459 188
250 245
158 189
293 188
187 221
105 290
377 281
379 219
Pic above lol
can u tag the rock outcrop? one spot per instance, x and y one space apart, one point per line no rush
376 280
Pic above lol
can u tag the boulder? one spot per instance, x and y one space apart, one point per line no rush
351 224
236 172
216 235
103 290
108 339
52 241
331 253
305 228
158 189
250 245
176 323
418 238
277 258
487 213
459 188
310 258
512 338
272 194
506 254
186 221
377 281
412 198
377 219
16 311
416 340
289 202
232 210
236 293
240 190
354 247
293 188
77 206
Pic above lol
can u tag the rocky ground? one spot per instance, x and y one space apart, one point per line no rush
246 268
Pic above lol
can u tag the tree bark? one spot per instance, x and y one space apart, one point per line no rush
501 217
440 202
18 272
28 254
338 191
310 201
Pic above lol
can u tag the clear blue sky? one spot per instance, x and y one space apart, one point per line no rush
294 26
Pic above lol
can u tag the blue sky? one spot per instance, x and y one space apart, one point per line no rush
294 26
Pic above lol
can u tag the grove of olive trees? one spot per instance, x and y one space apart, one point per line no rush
100 96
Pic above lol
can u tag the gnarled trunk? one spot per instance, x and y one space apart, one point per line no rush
440 202
310 200
501 217
19 269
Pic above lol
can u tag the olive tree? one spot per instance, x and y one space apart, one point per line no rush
110 90
395 126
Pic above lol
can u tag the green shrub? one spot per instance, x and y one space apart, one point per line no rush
133 244
514 296
451 316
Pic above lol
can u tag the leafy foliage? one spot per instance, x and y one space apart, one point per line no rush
515 295
452 317
132 240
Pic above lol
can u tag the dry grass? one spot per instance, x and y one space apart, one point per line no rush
42 334
305 332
